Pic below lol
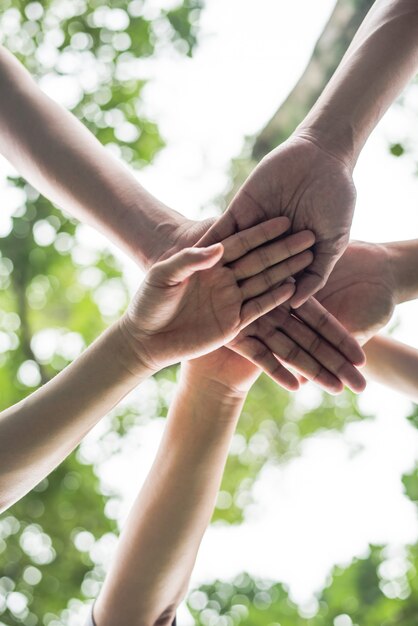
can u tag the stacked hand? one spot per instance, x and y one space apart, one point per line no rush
313 188
361 291
182 311
317 345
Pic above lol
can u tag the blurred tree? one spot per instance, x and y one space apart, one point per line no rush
331 46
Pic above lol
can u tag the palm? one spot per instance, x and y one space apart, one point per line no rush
224 369
312 188
189 312
261 343
203 311
360 290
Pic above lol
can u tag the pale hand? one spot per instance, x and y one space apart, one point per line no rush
223 372
361 291
313 189
183 312
308 340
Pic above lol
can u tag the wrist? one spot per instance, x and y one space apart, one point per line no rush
335 137
403 258
206 414
212 392
132 349
150 228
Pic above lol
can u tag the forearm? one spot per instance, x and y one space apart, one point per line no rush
66 163
382 58
394 364
404 262
159 544
39 432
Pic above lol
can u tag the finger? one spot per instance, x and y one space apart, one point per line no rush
223 228
243 212
314 277
322 353
268 255
320 320
259 306
290 352
182 265
241 243
256 352
275 275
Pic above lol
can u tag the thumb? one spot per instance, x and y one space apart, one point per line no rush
313 278
182 265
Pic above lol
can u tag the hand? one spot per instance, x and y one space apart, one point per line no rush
183 312
309 340
362 291
321 351
313 189
222 373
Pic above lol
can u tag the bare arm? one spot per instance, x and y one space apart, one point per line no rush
363 290
158 546
381 59
309 177
404 261
60 157
66 163
39 432
393 364
180 311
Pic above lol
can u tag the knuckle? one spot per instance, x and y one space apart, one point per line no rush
270 332
318 373
293 353
315 345
260 353
323 319
268 279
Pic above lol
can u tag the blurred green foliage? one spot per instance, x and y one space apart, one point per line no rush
379 590
270 430
58 291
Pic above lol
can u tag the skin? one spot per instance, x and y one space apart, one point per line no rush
307 185
376 276
309 177
365 274
393 364
201 311
150 571
364 288
66 163
366 285
39 432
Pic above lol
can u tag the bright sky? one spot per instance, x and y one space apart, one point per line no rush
344 492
